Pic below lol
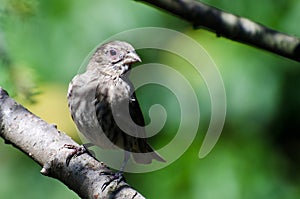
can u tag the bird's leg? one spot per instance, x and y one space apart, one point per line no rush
125 161
118 176
77 151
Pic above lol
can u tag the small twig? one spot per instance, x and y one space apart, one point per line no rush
231 26
45 145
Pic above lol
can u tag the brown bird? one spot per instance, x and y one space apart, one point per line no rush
104 107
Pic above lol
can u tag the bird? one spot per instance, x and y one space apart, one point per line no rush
104 107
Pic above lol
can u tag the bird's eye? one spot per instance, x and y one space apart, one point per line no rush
112 52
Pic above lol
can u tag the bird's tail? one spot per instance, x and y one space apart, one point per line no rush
147 156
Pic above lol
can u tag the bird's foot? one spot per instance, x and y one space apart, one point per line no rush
118 177
77 151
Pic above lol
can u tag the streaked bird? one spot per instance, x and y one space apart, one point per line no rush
104 107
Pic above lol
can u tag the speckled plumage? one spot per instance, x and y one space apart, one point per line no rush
100 98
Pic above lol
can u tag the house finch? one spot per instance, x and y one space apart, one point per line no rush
104 107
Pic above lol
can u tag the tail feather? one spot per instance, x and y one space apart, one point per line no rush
147 157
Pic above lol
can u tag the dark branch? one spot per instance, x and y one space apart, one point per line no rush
231 26
45 145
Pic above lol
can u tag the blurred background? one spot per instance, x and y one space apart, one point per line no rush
43 43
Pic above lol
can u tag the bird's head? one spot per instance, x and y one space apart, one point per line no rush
114 57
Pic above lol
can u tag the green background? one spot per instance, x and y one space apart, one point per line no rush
43 43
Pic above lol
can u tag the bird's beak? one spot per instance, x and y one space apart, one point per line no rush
132 57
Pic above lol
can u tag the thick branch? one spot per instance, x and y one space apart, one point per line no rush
45 144
231 26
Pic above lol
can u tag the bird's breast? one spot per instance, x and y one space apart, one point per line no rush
118 91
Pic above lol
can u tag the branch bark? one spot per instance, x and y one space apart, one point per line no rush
231 26
45 145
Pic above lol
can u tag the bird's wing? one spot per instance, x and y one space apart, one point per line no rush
136 112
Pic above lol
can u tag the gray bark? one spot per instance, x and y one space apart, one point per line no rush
44 143
231 26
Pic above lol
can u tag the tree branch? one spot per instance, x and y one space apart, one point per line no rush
45 145
231 26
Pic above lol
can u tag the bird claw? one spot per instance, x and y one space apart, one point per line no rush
118 177
77 151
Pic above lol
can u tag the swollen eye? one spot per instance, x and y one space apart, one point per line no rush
112 52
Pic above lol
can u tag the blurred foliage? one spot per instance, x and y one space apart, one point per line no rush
42 46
